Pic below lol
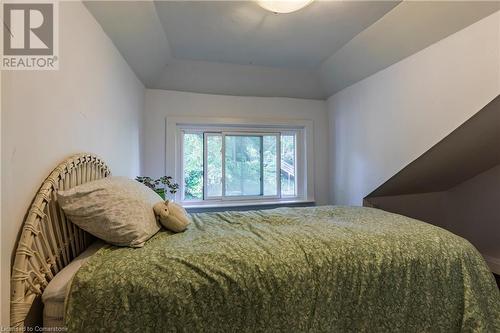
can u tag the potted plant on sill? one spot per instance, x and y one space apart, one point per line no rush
160 185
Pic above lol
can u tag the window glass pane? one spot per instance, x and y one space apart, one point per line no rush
288 168
243 165
214 165
193 166
269 155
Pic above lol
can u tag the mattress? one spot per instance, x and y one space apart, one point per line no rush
55 293
314 269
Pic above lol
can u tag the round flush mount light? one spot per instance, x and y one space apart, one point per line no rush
284 6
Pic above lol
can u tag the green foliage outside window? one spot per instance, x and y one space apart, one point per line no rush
242 164
193 166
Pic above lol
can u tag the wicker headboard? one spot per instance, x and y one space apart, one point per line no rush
49 241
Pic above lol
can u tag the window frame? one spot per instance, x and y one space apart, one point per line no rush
304 159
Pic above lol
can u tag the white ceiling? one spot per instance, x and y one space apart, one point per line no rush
238 48
241 32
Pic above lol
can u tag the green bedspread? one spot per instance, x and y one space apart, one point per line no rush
317 269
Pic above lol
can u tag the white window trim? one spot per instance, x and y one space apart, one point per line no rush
174 125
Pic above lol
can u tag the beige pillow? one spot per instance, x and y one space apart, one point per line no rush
115 209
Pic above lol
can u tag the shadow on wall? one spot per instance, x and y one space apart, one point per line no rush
455 184
469 210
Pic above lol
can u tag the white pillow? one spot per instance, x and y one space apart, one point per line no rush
115 209
57 288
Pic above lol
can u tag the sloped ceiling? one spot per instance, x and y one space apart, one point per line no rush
238 48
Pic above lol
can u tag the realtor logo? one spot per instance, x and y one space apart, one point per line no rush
29 36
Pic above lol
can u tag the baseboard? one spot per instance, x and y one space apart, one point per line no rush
493 263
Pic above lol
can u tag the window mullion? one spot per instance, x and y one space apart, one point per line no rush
262 165
278 165
205 171
295 162
223 152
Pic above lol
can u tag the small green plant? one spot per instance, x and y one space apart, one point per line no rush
160 185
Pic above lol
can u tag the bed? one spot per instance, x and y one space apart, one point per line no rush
314 269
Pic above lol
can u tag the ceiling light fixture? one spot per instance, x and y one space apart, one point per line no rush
284 6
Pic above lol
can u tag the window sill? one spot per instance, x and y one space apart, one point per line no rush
242 203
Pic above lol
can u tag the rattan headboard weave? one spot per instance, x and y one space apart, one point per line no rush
48 240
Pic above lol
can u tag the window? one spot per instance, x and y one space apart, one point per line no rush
239 164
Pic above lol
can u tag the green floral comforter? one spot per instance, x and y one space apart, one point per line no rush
317 269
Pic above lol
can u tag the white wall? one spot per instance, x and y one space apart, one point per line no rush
382 123
92 103
163 103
